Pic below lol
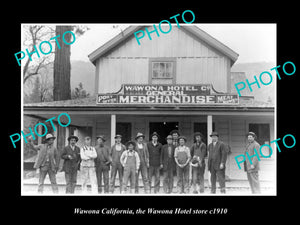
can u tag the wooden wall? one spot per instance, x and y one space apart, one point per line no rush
231 129
196 62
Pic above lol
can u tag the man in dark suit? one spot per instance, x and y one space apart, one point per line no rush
102 163
71 156
47 162
216 162
168 164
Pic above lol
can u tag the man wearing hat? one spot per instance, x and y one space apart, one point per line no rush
182 157
198 153
131 161
102 163
47 162
154 148
88 155
142 149
175 134
115 153
71 156
216 162
168 164
252 169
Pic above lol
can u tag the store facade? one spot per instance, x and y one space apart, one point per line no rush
178 81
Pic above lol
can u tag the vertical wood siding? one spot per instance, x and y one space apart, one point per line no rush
196 62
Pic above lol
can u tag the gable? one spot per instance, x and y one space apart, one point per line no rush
186 41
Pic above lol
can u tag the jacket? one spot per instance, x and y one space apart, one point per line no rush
250 149
154 154
103 156
165 160
143 154
53 156
217 155
88 154
124 157
71 164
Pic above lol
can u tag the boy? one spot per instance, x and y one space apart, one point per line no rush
182 157
131 162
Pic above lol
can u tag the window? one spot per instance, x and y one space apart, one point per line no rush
162 70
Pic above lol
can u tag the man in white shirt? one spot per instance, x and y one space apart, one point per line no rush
88 172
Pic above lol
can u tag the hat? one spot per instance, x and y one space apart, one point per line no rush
195 161
198 134
174 131
182 137
118 136
73 136
102 137
49 136
155 134
214 133
130 143
139 135
169 137
252 134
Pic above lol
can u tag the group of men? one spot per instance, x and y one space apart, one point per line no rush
140 157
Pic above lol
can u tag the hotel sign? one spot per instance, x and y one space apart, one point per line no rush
167 94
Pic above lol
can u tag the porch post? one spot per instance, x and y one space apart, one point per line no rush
67 135
209 130
112 129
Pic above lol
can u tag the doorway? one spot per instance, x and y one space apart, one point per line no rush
124 129
163 129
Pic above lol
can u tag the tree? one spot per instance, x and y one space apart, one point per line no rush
35 95
34 34
62 65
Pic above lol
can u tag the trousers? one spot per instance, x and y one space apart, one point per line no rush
253 179
71 180
44 170
88 174
102 172
143 170
168 180
183 179
116 168
198 177
220 174
154 171
129 173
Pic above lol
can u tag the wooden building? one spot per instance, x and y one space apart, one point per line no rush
187 57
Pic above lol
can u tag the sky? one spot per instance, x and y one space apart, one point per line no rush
253 42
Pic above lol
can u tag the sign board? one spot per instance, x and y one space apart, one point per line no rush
167 94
